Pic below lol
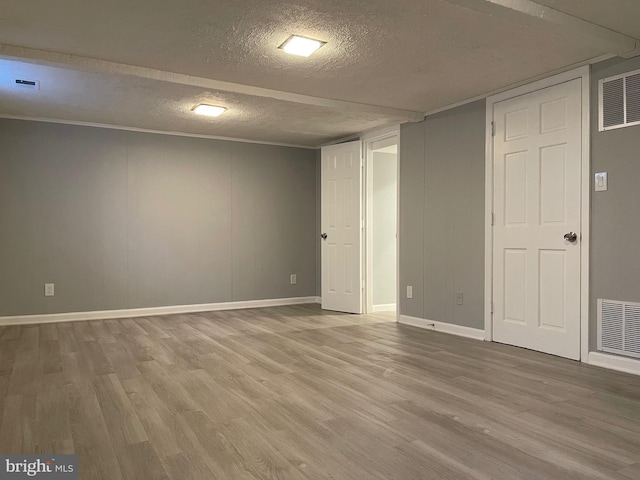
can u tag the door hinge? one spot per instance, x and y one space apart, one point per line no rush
492 306
493 129
493 219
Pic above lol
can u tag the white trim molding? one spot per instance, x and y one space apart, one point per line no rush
615 362
391 135
380 133
459 330
488 222
145 312
147 130
389 307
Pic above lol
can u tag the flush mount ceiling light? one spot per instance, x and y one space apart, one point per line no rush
208 110
302 46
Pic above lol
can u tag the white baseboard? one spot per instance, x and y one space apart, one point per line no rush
599 359
615 362
144 312
468 332
388 307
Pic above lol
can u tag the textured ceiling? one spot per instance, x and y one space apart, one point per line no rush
141 103
620 15
414 55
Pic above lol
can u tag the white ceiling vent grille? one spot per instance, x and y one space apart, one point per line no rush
619 327
620 101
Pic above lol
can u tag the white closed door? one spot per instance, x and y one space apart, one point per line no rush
341 240
537 203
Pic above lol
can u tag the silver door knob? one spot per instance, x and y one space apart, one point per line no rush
324 236
571 237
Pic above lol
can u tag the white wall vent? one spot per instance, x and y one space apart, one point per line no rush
620 101
619 327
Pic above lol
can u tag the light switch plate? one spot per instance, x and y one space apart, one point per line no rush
601 182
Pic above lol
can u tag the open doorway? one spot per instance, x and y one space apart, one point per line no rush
381 221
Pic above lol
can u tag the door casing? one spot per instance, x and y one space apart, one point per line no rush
370 142
582 73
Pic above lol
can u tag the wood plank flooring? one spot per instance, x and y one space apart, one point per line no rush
298 393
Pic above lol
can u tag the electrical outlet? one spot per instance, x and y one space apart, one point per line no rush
49 290
293 279
459 298
409 291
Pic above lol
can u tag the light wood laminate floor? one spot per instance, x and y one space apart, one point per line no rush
295 392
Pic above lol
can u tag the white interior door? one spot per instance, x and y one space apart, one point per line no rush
537 194
341 205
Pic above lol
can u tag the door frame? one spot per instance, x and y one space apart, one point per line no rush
584 74
368 145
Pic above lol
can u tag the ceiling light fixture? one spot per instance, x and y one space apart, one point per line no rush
208 110
302 46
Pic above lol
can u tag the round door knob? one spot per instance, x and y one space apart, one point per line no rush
571 237
324 236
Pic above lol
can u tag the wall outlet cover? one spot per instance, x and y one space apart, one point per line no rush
293 279
49 289
409 291
459 298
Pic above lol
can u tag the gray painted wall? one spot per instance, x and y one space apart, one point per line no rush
442 211
442 216
123 219
615 231
384 222
412 208
103 214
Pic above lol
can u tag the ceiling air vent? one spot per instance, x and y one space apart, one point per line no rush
620 101
27 84
619 327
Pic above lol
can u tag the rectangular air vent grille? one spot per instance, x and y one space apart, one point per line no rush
619 327
27 84
620 101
